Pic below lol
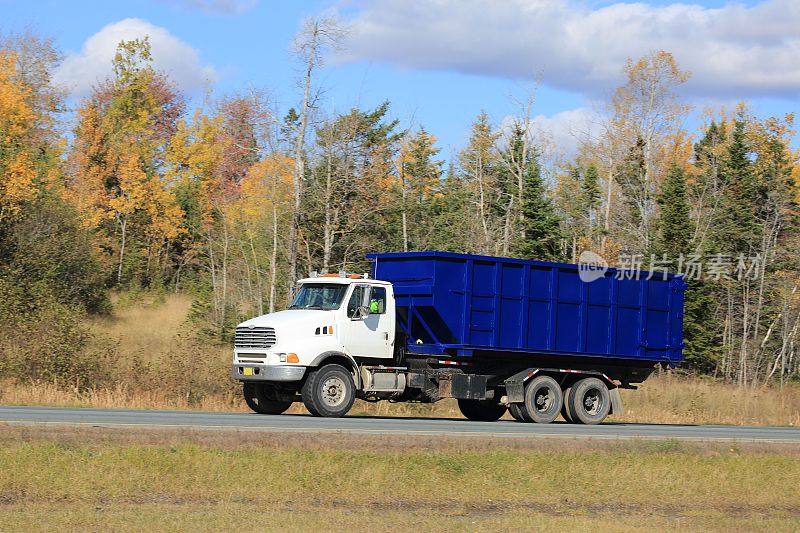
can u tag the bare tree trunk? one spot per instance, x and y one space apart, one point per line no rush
247 270
273 260
507 225
327 244
214 285
316 33
404 197
259 283
123 222
607 216
766 248
224 296
482 206
745 334
310 44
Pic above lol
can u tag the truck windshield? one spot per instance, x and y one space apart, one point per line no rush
326 296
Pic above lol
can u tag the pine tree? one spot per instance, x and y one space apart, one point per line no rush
674 241
540 232
591 188
738 228
592 196
675 226
450 221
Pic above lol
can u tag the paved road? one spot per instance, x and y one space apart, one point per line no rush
384 425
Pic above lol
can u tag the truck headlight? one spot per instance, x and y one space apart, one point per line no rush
288 358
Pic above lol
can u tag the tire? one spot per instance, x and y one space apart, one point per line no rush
329 391
565 409
543 399
516 412
481 410
256 395
589 401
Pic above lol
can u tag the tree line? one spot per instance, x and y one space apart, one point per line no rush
233 200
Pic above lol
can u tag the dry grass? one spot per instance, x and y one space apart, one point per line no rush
78 481
146 327
672 399
122 396
154 353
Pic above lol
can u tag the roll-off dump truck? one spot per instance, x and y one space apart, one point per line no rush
535 338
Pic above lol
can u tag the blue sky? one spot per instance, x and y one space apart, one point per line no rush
440 62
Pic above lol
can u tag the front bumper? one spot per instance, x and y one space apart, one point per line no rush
267 372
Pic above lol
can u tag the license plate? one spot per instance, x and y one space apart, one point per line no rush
248 371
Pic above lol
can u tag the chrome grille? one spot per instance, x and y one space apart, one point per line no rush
255 338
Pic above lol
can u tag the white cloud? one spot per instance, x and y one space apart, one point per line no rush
225 7
568 129
559 135
81 71
732 51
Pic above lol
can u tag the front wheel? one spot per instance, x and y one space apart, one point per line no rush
481 410
258 399
329 391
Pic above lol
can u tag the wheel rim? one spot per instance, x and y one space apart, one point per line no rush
543 399
592 401
333 391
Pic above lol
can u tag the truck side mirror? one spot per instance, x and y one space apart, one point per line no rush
361 312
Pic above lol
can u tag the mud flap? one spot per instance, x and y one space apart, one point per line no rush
616 402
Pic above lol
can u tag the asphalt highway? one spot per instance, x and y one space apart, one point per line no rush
192 420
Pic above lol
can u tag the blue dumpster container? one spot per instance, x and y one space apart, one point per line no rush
469 305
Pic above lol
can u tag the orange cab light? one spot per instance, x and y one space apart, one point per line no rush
330 275
292 358
354 276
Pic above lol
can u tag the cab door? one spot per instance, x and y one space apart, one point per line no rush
371 335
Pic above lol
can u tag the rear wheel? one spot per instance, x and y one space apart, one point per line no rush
481 410
589 401
516 412
258 398
565 409
543 399
329 391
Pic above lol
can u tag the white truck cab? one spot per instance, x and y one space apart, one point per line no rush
336 321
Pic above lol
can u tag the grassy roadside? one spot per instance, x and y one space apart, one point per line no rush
130 481
660 400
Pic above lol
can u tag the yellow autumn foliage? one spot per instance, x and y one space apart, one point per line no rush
17 169
267 183
141 192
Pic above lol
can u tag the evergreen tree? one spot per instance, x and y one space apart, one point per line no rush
540 232
675 235
707 150
591 195
701 335
737 230
675 225
449 220
590 187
